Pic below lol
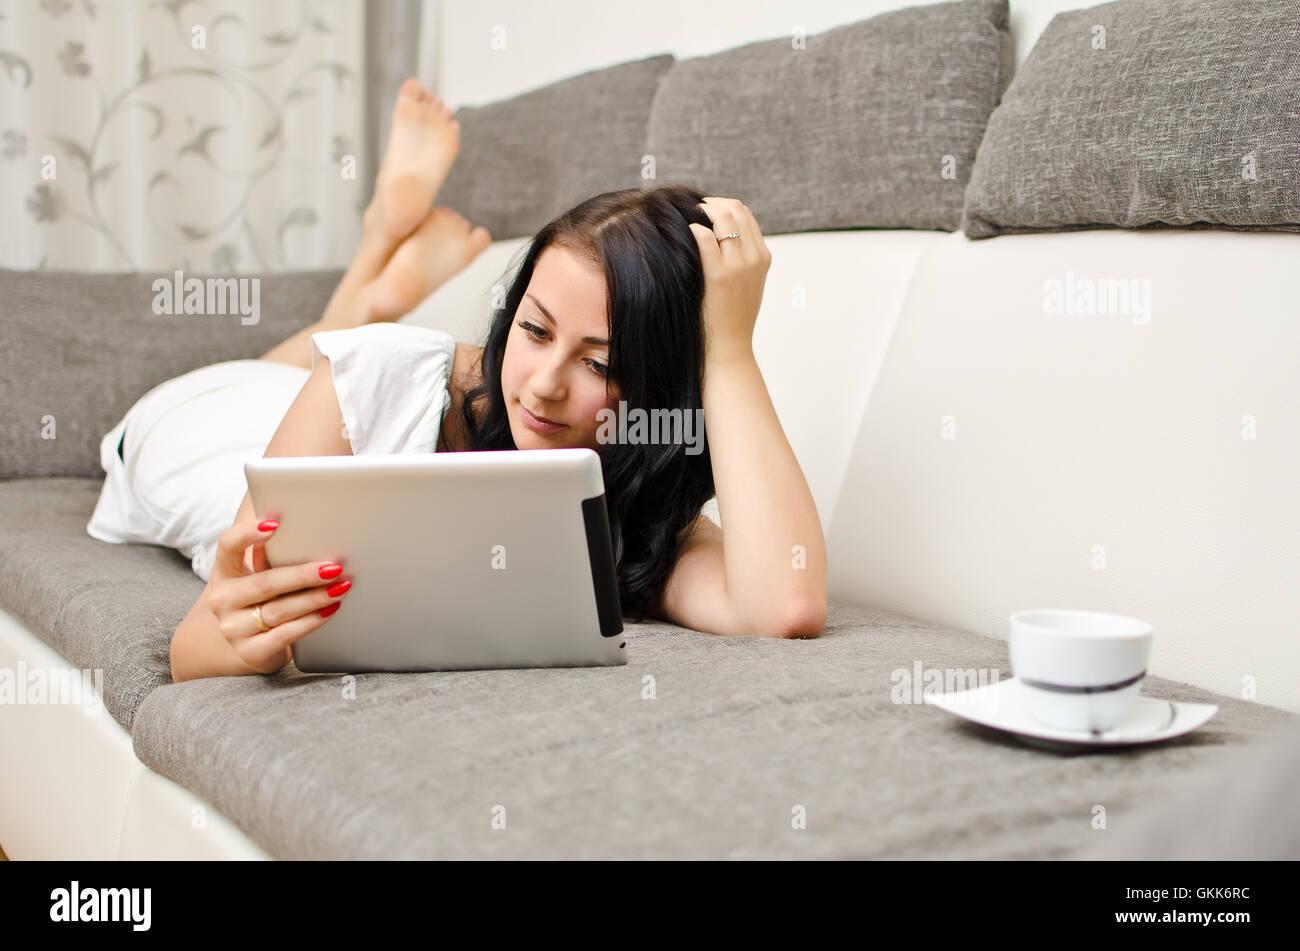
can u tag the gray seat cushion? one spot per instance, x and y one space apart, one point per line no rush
741 732
109 607
1242 807
78 349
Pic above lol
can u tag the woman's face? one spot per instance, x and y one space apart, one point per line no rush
551 366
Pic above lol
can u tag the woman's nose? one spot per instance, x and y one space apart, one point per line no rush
547 383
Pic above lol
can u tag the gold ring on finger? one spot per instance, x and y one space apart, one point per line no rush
257 616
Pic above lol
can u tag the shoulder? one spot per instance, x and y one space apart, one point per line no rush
465 375
391 380
465 368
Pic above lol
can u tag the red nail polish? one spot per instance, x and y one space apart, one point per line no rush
335 590
326 612
331 571
268 525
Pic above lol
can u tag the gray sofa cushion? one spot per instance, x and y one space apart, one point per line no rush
742 731
856 130
82 348
526 159
1186 117
108 607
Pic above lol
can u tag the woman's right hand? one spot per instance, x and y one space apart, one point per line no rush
295 599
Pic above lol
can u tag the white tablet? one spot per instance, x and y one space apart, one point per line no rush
458 560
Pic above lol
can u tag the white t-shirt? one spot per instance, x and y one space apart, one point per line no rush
187 439
391 381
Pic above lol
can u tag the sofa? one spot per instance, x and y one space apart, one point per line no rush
971 454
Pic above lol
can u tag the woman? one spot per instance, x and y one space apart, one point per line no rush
638 298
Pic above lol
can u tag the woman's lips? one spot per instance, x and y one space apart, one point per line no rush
538 425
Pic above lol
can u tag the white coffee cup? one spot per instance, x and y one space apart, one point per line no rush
1078 670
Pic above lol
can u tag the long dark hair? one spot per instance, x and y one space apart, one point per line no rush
640 239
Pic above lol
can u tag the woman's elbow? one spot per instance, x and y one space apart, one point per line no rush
804 619
808 624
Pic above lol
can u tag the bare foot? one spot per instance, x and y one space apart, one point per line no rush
442 246
422 143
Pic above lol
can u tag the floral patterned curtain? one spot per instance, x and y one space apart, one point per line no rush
216 136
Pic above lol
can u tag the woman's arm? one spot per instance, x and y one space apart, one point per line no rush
199 649
774 555
312 426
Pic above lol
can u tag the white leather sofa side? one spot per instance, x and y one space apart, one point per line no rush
1019 451
73 788
67 767
830 304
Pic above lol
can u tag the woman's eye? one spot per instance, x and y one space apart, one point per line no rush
536 333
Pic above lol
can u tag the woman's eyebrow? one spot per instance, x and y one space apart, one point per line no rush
595 341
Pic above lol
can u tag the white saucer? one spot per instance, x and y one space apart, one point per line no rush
999 706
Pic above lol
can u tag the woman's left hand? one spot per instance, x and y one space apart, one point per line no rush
735 270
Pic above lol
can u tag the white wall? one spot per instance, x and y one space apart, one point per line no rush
546 42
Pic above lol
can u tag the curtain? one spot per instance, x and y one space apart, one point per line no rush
401 37
217 136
